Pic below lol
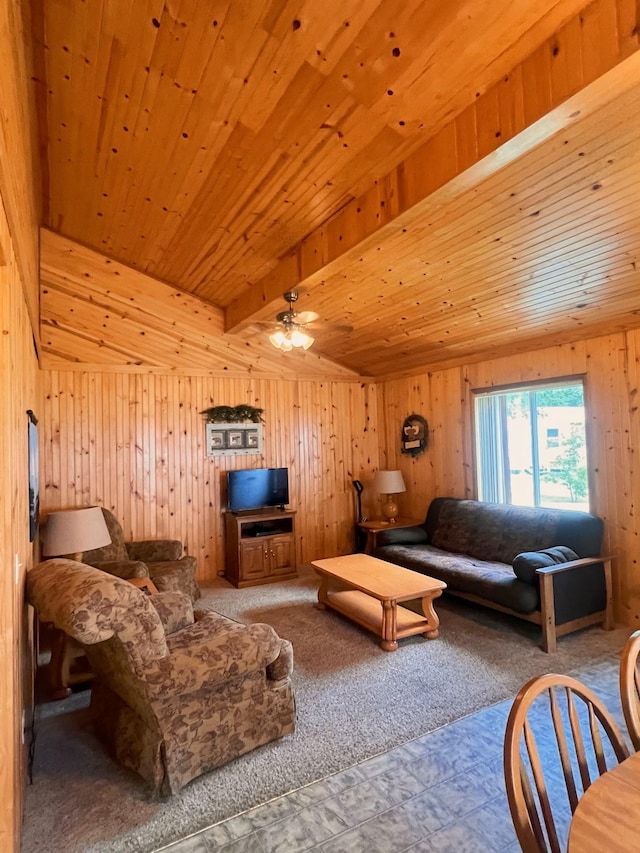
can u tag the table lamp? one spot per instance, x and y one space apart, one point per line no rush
389 484
70 532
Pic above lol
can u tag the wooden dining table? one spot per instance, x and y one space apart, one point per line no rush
608 814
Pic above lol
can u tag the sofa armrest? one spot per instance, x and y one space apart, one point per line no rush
415 535
174 609
547 595
154 550
572 564
124 569
204 660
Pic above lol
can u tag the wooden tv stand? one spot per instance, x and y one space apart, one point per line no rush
260 546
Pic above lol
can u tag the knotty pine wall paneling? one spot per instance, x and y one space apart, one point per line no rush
610 365
440 470
19 380
19 178
135 442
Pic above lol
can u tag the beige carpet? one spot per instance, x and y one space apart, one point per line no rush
353 700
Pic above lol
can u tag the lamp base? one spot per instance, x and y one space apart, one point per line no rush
76 556
390 508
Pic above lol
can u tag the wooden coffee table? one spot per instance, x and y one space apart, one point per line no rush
368 591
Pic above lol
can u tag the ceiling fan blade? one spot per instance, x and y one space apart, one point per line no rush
330 327
304 317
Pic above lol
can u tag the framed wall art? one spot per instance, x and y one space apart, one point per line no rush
233 439
34 490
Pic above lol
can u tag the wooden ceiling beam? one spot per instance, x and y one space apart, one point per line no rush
571 75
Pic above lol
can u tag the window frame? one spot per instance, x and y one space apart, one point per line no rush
538 385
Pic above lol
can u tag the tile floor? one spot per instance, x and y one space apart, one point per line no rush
441 792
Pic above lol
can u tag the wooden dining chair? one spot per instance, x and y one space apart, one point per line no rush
572 750
630 688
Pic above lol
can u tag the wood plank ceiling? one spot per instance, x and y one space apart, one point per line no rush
201 142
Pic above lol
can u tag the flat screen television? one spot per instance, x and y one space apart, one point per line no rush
257 488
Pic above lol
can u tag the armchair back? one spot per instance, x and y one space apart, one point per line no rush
160 559
117 550
92 607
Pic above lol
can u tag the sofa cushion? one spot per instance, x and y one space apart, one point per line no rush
500 531
490 531
490 580
525 565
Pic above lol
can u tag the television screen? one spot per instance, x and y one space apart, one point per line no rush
257 488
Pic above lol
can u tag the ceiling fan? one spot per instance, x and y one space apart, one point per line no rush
291 326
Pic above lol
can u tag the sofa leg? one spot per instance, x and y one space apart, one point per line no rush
547 606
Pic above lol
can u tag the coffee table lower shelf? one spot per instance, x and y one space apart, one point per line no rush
369 592
370 613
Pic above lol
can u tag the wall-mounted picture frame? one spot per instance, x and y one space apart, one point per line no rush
253 437
233 439
34 488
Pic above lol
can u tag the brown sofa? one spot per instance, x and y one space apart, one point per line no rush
174 695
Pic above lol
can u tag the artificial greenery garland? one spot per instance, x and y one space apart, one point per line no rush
233 414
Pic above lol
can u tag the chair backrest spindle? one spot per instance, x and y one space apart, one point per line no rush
630 688
578 720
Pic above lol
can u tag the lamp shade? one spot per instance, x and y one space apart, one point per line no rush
74 531
389 482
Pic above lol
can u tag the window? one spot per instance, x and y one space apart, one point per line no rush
530 446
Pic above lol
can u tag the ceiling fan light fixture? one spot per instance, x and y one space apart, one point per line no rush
280 341
301 339
291 338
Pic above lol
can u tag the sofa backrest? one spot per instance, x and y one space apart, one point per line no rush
500 531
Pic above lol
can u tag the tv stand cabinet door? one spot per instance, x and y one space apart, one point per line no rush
281 554
254 559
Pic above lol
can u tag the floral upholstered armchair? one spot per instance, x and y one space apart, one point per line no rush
160 559
173 696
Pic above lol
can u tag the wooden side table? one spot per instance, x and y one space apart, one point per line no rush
373 527
68 665
145 584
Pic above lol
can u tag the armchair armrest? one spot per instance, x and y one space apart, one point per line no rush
282 666
124 569
199 658
174 609
154 550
